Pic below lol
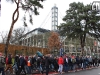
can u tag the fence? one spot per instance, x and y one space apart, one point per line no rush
17 49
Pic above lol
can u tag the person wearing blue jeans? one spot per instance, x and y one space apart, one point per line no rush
65 66
2 71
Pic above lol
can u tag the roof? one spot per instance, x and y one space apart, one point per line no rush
39 29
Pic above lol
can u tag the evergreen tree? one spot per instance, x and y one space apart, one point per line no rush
79 21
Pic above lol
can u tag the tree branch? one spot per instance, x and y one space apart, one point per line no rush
16 2
16 11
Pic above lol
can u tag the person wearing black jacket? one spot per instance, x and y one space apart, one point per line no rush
33 62
16 63
42 64
69 63
78 62
55 63
21 65
9 63
47 63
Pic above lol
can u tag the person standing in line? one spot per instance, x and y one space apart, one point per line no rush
2 63
21 65
55 63
60 63
42 66
9 63
16 63
33 62
47 63
29 65
65 64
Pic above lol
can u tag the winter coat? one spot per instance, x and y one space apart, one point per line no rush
22 61
60 60
2 62
47 61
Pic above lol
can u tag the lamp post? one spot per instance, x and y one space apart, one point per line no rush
83 24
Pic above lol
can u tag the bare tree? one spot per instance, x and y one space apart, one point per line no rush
54 41
17 34
3 36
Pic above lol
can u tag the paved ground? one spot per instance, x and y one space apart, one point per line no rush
94 71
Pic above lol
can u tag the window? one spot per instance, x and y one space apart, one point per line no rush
66 43
52 18
52 23
20 42
25 41
56 18
78 49
56 10
56 23
56 14
29 39
52 10
73 49
53 14
66 49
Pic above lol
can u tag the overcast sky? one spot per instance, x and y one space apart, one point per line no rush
38 21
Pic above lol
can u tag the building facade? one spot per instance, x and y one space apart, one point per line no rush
35 38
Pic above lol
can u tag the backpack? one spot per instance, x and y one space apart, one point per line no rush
73 60
2 60
39 54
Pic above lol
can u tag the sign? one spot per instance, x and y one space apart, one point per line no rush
96 5
61 51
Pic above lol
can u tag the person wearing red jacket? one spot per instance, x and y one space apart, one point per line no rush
60 63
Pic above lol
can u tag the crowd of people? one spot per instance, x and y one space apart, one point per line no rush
46 63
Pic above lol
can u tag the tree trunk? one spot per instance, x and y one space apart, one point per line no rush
82 38
12 25
82 47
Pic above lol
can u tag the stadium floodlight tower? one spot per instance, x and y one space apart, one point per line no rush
54 21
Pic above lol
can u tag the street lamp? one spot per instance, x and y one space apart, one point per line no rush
83 23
